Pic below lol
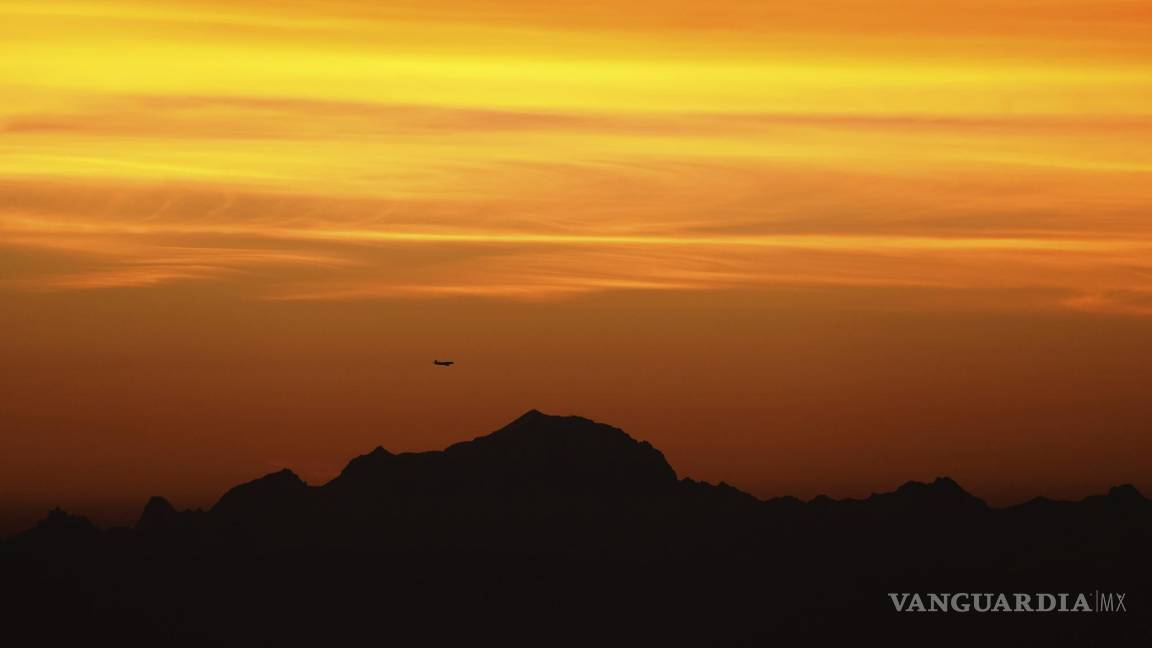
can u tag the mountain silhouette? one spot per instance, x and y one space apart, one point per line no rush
563 531
535 453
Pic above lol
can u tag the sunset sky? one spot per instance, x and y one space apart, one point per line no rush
802 247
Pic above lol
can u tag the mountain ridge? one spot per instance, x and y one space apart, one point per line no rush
563 531
549 453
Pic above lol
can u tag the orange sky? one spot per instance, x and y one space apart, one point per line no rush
802 247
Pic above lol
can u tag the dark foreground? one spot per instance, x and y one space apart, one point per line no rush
560 531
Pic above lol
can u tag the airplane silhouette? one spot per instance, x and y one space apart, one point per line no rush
444 363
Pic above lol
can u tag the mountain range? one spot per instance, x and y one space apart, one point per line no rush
563 531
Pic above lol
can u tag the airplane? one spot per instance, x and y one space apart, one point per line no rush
444 363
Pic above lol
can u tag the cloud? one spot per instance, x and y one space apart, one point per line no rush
345 151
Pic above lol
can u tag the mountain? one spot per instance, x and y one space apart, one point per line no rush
535 453
544 479
60 528
563 531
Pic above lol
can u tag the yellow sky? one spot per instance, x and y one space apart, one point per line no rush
976 158
898 137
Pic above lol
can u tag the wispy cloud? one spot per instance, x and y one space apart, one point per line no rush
519 150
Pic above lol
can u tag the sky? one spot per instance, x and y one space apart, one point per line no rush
819 247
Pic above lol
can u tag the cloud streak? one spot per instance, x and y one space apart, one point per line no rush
505 150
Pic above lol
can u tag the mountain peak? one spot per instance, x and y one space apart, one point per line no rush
1127 493
61 527
272 491
158 505
942 494
534 418
534 452
158 514
938 486
366 464
946 483
570 449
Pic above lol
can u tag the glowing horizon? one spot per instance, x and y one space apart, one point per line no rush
956 161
